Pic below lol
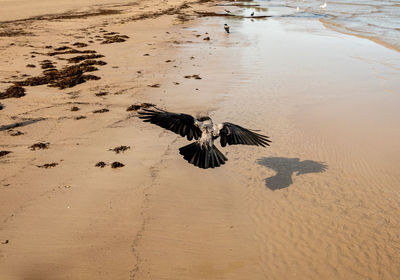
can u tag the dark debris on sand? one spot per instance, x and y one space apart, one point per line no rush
79 58
75 108
48 165
120 149
80 45
114 39
4 153
47 64
15 133
31 65
67 77
154 85
100 164
100 111
195 76
80 117
1 106
14 91
39 146
136 107
68 50
14 33
117 164
101 93
93 62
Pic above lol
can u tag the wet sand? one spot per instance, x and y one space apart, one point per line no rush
320 203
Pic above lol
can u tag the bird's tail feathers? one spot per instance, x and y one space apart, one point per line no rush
202 156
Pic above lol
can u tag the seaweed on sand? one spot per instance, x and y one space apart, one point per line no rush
67 77
117 164
79 58
80 45
120 149
39 146
100 111
100 164
15 91
115 39
68 50
4 153
48 165
136 107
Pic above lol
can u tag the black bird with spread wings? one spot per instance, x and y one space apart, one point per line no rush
203 153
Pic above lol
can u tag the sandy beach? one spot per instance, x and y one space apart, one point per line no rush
322 202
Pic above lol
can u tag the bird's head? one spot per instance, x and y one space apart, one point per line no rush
204 118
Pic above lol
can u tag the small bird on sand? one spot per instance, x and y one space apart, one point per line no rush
227 11
226 27
252 14
203 153
323 6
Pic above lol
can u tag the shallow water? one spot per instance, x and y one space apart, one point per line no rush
375 19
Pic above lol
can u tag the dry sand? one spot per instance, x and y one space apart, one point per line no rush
321 203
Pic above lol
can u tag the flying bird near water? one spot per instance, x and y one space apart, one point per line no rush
203 153
226 27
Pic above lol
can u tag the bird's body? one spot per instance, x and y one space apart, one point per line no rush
323 6
226 27
209 131
203 153
252 14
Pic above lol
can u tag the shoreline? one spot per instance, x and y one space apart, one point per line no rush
348 31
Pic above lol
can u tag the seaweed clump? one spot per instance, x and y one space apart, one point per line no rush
4 153
117 164
80 45
48 165
195 76
120 149
39 146
14 91
136 107
67 77
114 38
100 164
100 111
79 58
47 64
68 50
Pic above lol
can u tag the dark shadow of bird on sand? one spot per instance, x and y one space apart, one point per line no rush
285 167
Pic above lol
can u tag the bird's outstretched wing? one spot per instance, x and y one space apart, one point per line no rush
181 124
233 134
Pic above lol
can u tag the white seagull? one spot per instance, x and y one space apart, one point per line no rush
323 6
203 153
